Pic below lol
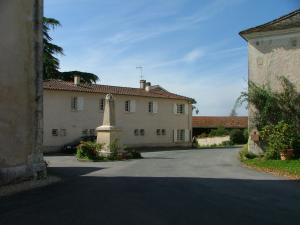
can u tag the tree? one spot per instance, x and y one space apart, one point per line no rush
51 63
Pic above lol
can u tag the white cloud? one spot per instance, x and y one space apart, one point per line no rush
193 55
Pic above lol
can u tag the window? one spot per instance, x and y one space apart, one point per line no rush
77 103
92 132
101 104
136 132
74 103
142 132
158 132
127 106
163 132
180 108
150 107
180 135
85 132
54 132
63 132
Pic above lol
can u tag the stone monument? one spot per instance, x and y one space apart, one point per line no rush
108 134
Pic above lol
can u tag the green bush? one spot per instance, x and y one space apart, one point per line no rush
237 136
278 137
133 154
88 150
219 132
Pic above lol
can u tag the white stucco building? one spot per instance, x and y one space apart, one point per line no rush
148 115
274 50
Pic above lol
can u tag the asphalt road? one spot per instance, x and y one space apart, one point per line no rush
192 187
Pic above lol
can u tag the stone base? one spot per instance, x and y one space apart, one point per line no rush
22 172
108 136
253 147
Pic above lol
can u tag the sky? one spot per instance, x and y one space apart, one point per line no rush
189 47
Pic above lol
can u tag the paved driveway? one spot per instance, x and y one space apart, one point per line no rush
191 187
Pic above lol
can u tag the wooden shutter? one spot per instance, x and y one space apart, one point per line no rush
80 103
175 135
186 109
175 108
187 135
155 107
132 106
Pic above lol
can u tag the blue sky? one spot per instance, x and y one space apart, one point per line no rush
190 47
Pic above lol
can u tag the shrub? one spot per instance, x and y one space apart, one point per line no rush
88 150
278 137
133 154
219 132
237 136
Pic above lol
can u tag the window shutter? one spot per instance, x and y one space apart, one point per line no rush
155 107
132 106
80 103
175 108
175 135
186 109
187 135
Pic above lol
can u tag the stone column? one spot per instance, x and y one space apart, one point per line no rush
108 134
21 95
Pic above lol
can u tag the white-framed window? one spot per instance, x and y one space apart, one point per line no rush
142 132
163 132
158 132
127 106
54 132
101 104
63 132
136 132
180 108
180 135
85 132
77 103
150 107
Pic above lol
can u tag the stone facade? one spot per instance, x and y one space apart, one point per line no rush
274 51
21 89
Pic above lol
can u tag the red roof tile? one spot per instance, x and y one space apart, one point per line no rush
60 85
215 121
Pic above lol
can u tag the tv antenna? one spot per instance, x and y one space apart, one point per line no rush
141 70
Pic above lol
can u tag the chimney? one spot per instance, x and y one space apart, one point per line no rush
147 87
142 84
76 80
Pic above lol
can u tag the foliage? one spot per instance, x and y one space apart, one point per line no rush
219 132
278 137
274 106
237 136
289 168
114 149
88 150
246 134
133 154
51 63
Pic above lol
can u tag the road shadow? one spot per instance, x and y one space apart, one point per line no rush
156 201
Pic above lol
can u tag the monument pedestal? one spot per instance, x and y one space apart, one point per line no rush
108 134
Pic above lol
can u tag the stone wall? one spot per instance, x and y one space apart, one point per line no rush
21 89
212 140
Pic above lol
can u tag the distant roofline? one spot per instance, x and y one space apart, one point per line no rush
265 25
52 85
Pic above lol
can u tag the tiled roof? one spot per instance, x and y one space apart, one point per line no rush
216 121
60 85
290 20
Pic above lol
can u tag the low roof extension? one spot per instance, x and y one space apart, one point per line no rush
220 121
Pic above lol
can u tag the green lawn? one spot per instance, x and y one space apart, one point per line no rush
290 168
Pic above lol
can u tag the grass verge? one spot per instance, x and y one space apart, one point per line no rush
288 168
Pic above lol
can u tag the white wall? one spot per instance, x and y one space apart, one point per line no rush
58 115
